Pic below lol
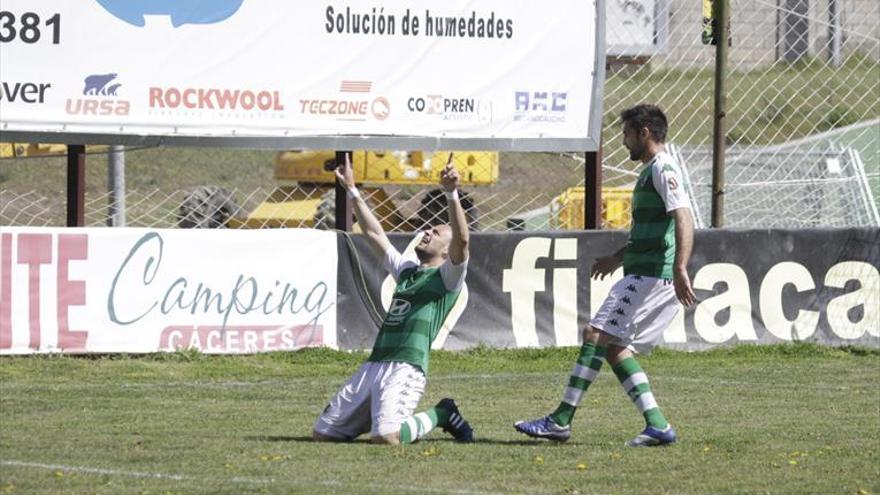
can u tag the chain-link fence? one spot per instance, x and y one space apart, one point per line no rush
803 112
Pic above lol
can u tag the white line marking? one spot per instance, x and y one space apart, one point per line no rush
235 479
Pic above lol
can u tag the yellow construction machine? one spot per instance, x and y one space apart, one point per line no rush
305 196
20 150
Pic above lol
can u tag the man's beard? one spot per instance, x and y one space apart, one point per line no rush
635 154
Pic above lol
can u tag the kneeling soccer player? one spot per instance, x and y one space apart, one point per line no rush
381 397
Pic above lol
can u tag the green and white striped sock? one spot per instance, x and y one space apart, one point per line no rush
420 424
585 371
635 383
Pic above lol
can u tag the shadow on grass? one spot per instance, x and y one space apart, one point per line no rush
526 442
301 439
485 441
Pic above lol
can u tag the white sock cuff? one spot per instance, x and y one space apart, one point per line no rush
645 402
572 396
584 372
634 381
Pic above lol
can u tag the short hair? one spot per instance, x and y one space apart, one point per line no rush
649 116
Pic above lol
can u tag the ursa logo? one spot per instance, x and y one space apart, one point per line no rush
97 85
181 11
103 91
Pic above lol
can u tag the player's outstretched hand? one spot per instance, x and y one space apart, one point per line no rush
344 174
604 266
683 290
449 177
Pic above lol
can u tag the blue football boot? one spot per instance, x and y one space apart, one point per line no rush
544 428
653 437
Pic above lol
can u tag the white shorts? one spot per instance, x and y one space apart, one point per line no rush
377 398
637 311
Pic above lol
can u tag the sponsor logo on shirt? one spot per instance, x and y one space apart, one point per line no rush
397 311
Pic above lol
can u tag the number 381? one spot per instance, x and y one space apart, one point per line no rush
27 27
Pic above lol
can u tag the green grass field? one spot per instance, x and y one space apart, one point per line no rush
791 419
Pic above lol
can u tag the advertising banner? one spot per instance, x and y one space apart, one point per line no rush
145 290
493 74
223 291
753 286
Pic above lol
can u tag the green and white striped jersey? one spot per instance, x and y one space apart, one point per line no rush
659 190
422 300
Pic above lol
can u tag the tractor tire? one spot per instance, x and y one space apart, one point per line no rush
325 216
206 207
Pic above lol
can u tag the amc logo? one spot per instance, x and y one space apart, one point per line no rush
544 101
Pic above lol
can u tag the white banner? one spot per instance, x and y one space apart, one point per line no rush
143 290
493 74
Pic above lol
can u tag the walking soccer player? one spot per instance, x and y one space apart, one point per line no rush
382 395
642 304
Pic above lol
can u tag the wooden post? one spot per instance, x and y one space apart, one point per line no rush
593 189
76 185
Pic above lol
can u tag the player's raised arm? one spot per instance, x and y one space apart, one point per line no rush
368 222
458 247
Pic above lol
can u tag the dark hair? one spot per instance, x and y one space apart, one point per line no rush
649 116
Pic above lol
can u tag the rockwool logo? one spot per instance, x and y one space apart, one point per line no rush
354 107
216 99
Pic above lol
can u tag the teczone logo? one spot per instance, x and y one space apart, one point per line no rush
540 106
451 108
101 97
237 102
352 107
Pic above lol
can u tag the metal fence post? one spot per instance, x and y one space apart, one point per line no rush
116 186
835 33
